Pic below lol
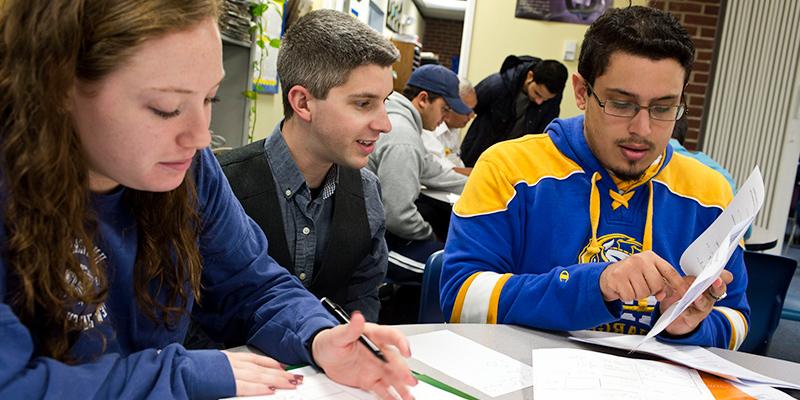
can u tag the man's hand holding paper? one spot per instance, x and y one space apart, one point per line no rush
646 274
688 320
704 262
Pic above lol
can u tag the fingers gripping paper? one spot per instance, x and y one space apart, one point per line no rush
706 257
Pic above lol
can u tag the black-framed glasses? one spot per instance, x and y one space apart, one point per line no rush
627 109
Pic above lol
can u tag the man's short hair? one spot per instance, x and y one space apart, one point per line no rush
552 74
639 31
321 48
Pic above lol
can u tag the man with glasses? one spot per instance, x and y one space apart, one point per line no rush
583 227
403 165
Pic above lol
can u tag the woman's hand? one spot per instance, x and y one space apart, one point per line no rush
259 375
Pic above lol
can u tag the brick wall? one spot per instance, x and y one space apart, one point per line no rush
443 37
700 18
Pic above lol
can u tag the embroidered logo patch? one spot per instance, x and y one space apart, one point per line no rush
616 247
636 315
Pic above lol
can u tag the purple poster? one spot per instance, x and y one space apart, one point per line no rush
574 11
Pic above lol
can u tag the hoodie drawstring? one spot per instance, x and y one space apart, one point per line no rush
619 199
647 241
594 215
594 247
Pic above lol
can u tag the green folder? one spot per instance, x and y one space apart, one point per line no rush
441 385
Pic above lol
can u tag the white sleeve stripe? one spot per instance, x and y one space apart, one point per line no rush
476 302
738 326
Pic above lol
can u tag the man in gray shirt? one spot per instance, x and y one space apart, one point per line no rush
403 165
305 185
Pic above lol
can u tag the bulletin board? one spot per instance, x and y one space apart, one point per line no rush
573 11
394 15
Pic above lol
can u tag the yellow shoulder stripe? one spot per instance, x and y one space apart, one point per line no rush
687 177
528 159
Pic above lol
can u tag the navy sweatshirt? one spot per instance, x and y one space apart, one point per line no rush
246 297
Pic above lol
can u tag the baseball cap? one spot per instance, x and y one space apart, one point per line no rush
439 80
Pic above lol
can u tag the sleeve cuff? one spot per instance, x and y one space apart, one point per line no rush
211 375
308 347
291 346
606 310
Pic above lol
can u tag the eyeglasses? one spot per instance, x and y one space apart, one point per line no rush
629 110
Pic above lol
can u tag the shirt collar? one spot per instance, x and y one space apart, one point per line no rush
330 182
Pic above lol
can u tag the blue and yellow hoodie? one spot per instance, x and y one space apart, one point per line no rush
539 220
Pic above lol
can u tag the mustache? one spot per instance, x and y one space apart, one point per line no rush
634 141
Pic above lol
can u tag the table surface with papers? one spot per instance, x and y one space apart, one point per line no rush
518 343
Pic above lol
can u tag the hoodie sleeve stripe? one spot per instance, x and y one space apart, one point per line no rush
478 298
738 326
462 294
494 301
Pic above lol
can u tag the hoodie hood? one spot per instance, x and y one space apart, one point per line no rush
568 136
399 105
515 69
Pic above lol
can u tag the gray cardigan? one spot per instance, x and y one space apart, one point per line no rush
403 165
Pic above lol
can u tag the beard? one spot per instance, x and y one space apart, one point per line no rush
631 171
628 175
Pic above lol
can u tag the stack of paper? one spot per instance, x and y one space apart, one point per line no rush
582 374
235 20
691 356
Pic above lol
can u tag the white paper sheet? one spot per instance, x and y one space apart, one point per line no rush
489 371
762 392
691 356
581 374
728 228
317 386
706 257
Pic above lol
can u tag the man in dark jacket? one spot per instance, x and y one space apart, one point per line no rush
522 98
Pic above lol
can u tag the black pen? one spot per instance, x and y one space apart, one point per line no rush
343 318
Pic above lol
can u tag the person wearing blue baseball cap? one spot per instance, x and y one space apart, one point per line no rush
403 165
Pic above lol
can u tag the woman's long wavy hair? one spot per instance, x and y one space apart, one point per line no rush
45 48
